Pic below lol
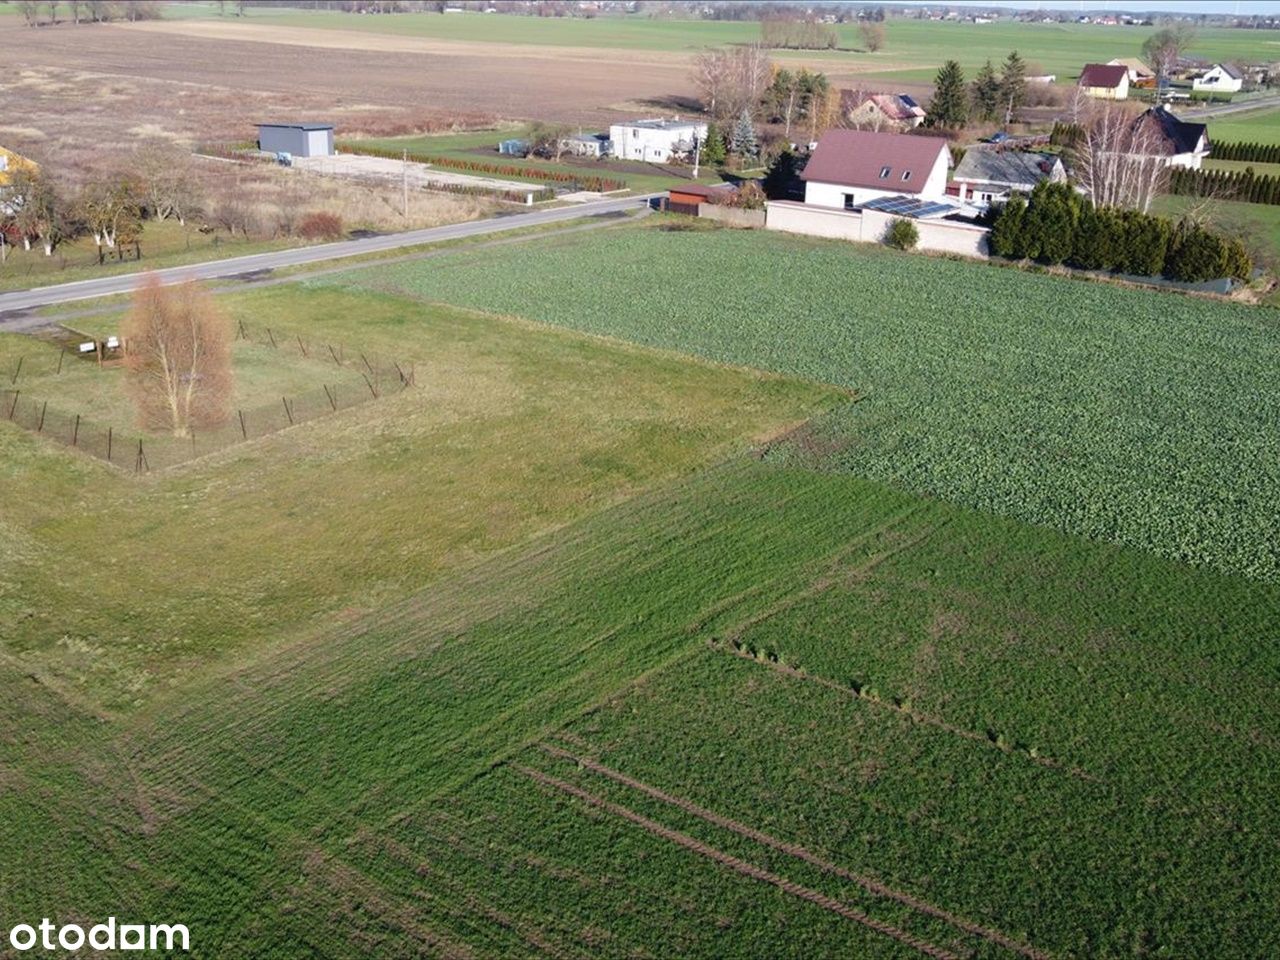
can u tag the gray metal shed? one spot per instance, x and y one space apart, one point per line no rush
298 139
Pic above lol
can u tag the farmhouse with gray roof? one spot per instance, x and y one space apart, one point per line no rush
988 175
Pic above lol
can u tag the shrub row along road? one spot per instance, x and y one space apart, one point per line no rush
24 300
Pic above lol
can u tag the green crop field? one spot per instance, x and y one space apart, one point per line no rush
570 748
709 594
1118 414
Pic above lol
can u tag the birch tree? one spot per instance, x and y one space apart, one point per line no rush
1119 162
177 357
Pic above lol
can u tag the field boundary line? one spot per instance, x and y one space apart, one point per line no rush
914 715
870 884
837 572
740 866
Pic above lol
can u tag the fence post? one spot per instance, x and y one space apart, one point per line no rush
243 432
18 369
333 400
240 334
61 353
334 355
369 384
271 337
142 459
366 363
109 429
43 408
13 406
287 412
75 432
302 346
403 379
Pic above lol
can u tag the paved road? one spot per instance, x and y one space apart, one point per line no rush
1222 109
123 283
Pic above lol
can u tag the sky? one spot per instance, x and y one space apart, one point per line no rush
1131 6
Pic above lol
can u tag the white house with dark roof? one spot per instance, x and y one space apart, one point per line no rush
1180 143
1222 78
850 167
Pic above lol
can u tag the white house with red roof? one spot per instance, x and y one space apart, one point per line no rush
851 167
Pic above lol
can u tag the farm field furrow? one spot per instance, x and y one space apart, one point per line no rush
610 640
1098 410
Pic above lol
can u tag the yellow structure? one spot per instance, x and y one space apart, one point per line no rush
11 162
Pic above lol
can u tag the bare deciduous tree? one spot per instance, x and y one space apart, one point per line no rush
39 212
169 183
178 357
872 34
1118 160
105 204
732 80
711 77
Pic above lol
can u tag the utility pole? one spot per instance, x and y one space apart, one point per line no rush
697 157
404 177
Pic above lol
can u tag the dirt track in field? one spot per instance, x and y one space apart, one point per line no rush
870 884
733 863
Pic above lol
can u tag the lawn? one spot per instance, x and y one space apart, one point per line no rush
1240 166
262 376
1251 126
483 145
1122 415
1061 748
509 430
1257 223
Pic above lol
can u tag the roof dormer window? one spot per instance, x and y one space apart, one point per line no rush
906 175
884 172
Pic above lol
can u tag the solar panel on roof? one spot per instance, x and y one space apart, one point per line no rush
908 207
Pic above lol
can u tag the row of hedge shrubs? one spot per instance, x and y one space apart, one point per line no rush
1242 185
1058 226
515 196
1250 152
592 183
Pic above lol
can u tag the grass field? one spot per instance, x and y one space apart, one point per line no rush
1093 409
913 49
641 178
1248 126
262 376
1239 166
1097 782
114 599
711 594
1257 223
164 244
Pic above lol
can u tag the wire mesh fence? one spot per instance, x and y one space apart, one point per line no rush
359 379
